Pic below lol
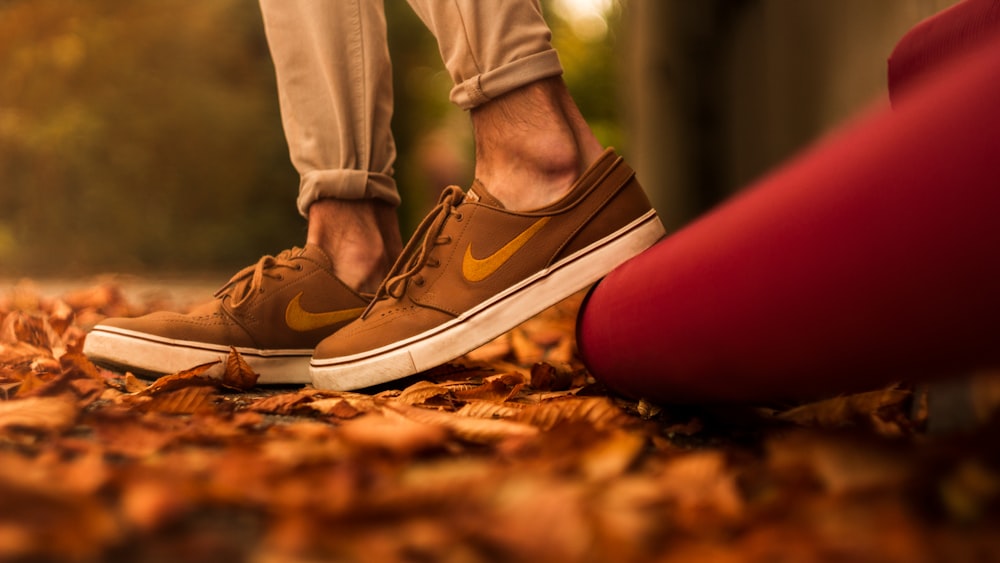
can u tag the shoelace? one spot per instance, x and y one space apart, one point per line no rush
240 291
416 254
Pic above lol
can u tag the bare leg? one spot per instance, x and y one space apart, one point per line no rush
532 144
360 236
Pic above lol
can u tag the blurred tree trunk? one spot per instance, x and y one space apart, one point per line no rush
720 91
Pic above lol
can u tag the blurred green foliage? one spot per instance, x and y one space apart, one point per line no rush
144 136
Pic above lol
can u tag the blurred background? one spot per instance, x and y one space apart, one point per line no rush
144 136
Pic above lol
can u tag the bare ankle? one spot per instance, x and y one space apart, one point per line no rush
361 237
532 144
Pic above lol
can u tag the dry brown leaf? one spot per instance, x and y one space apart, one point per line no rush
846 410
424 393
843 464
134 385
238 373
703 488
600 412
41 525
60 316
21 354
53 472
284 403
490 409
335 407
499 388
29 328
611 456
87 390
477 430
107 299
542 519
40 414
149 503
76 364
30 384
547 377
398 435
204 374
183 400
133 434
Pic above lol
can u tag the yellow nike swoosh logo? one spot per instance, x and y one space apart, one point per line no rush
476 269
300 320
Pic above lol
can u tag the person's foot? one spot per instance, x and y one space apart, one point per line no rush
475 269
274 313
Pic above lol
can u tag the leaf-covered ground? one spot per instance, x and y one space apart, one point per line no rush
513 453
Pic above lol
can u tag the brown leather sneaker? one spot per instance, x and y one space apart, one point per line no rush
473 270
274 313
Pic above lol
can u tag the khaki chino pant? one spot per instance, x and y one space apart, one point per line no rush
335 81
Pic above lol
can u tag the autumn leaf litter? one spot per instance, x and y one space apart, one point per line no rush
513 452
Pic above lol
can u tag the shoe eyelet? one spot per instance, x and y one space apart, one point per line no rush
419 282
459 217
298 267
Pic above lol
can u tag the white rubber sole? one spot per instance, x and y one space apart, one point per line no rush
147 354
491 318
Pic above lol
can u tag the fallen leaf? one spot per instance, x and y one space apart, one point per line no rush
490 409
204 374
183 400
842 464
78 365
40 414
546 377
477 430
611 456
337 408
238 373
601 412
107 299
703 489
283 403
134 385
846 410
498 388
425 393
29 328
399 435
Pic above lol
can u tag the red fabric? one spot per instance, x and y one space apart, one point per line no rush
939 39
873 256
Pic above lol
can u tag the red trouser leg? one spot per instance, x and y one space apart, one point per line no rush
939 39
874 256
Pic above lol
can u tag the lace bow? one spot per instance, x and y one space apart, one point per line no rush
238 287
417 252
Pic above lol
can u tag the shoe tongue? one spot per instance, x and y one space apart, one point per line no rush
478 192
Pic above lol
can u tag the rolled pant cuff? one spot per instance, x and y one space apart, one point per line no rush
345 184
492 84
